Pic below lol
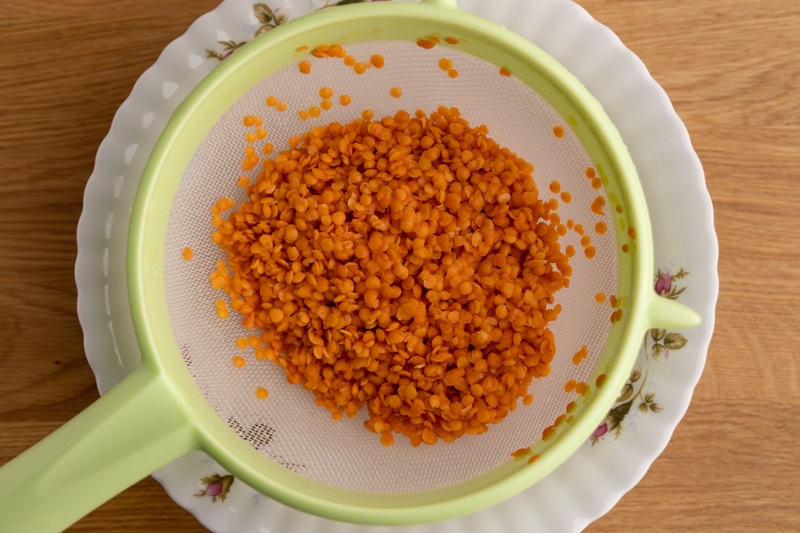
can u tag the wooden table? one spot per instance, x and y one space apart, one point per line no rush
732 70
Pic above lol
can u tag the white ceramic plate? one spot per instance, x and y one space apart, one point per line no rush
658 394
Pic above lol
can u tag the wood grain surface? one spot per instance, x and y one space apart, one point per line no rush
732 70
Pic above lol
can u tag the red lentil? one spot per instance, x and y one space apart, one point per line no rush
377 61
373 275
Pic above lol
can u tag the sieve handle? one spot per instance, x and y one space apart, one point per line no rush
133 430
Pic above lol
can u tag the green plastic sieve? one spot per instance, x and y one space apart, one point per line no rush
186 395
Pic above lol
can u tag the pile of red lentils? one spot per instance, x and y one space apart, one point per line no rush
406 264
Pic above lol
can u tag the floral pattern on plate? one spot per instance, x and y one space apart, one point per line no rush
269 19
657 344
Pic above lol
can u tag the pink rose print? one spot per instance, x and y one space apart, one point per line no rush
664 284
216 487
601 430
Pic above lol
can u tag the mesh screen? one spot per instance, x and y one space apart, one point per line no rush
288 427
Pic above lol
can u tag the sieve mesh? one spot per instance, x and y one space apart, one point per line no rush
288 427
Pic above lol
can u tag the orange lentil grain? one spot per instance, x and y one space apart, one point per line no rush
579 229
187 253
445 64
268 148
377 61
520 452
600 297
597 184
304 66
396 92
262 393
601 228
280 106
344 99
569 386
580 387
598 382
612 301
566 197
239 361
314 111
360 68
528 399
569 250
243 181
590 251
349 61
325 92
426 43
453 73
303 114
326 104
533 458
504 71
451 40
548 433
555 187
558 132
632 232
590 172
624 248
